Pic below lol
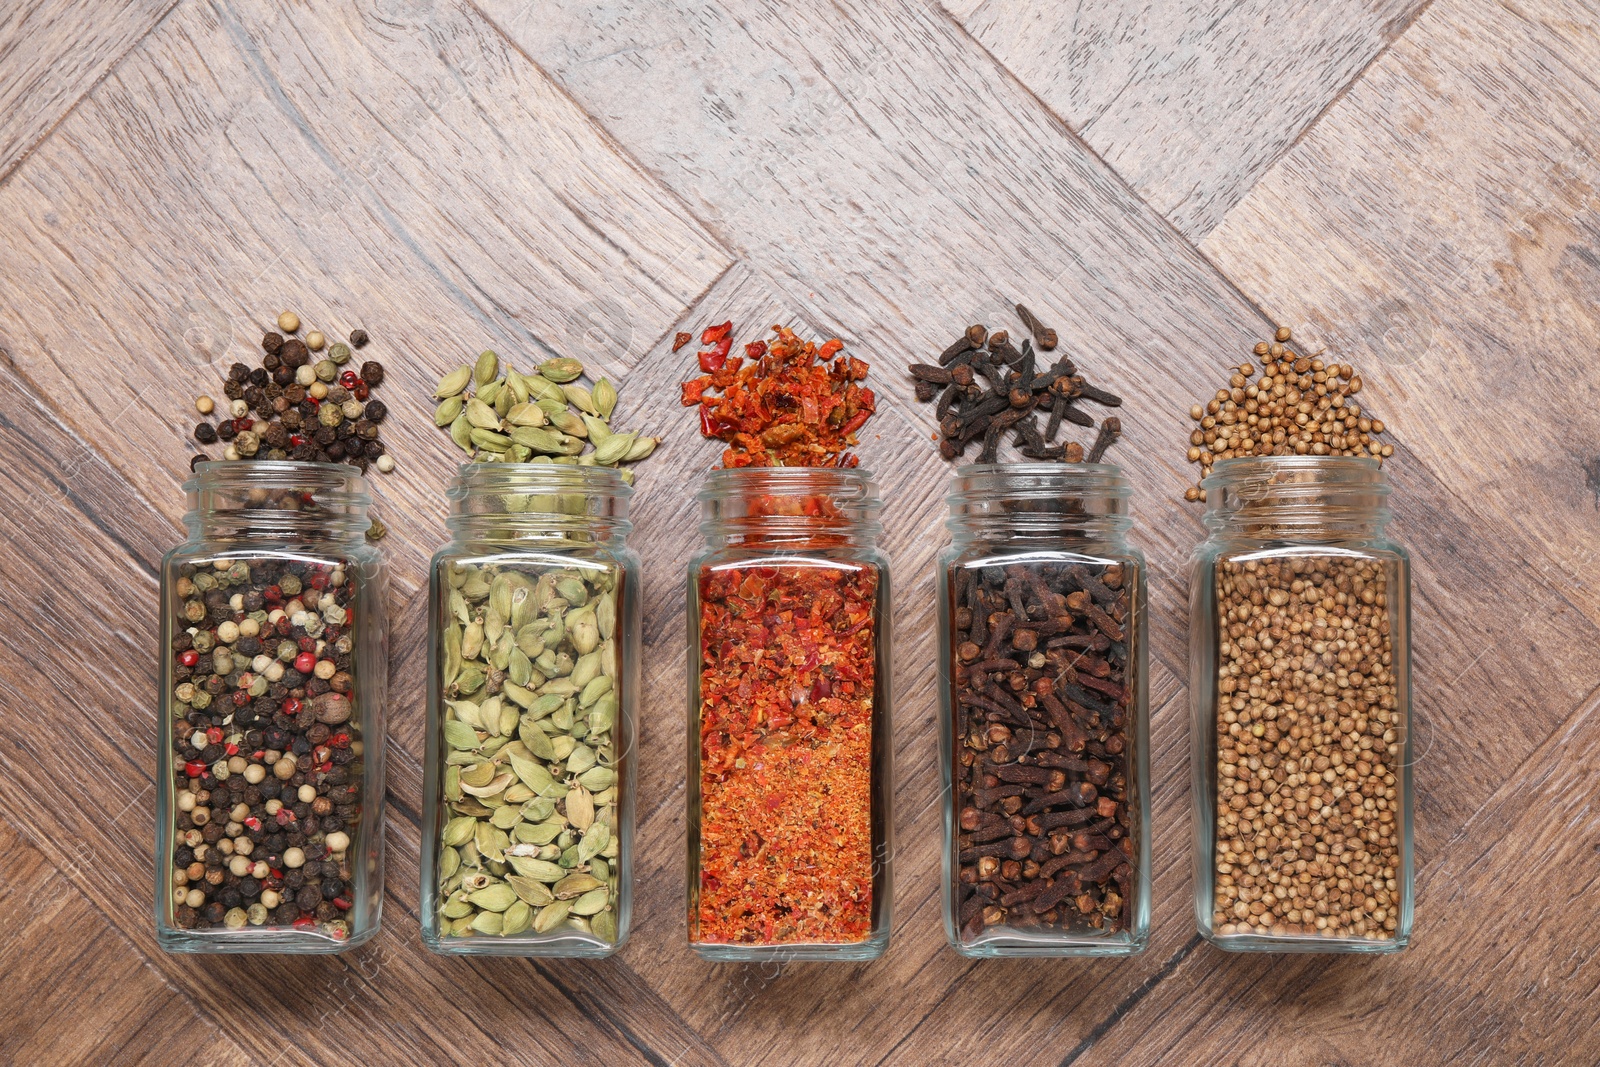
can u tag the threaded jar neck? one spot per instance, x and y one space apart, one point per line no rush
812 507
1039 502
276 500
538 502
1309 498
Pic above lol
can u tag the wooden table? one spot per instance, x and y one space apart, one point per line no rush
1411 185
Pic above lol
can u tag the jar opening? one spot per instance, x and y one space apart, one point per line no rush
1300 496
512 501
242 499
814 506
1047 500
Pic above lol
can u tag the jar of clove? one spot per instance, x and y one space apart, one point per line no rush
1044 724
789 745
270 782
1300 683
533 672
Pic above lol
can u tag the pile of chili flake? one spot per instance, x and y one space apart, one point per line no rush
790 403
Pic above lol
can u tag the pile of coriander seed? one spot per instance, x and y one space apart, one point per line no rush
1301 406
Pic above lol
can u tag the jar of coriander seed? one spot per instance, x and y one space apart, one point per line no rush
533 676
270 781
1300 682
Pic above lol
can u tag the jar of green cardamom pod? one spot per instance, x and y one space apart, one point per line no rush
533 670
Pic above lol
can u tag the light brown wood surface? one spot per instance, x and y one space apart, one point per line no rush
1414 186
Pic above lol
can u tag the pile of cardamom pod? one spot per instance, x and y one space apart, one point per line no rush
531 677
520 418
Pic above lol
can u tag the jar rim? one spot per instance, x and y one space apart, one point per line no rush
475 477
1364 472
343 483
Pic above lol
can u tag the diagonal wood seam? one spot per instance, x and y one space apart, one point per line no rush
1402 28
1333 101
32 147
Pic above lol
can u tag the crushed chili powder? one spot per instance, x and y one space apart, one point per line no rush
782 404
786 702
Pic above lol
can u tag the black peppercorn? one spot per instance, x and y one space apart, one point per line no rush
358 338
272 342
225 430
294 353
258 377
197 459
205 433
372 373
376 410
238 373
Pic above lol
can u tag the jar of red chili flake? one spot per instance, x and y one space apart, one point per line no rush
789 748
269 787
1044 725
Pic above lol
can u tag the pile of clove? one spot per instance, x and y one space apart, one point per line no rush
988 388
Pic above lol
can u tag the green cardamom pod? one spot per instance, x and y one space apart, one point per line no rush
489 391
580 398
538 870
452 652
598 779
490 441
446 412
570 424
458 831
531 890
615 449
516 919
561 370
488 922
453 383
641 449
487 368
482 415
605 614
537 438
518 386
604 926
526 414
497 897
472 641
460 735
598 430
592 902
605 398
461 433
551 916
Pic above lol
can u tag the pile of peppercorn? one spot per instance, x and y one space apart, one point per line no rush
267 765
987 388
299 404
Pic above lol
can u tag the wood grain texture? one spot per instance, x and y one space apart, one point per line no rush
51 53
588 180
1191 101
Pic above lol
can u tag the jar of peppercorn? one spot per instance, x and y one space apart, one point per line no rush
533 675
1300 690
789 787
270 777
1044 724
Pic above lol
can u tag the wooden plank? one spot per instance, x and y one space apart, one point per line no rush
1471 989
1191 101
62 954
52 52
423 181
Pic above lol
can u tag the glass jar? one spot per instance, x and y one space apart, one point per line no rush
1300 675
533 674
1044 714
269 784
789 740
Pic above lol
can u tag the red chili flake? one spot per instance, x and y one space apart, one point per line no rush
231 749
713 334
712 359
189 657
194 768
339 741
341 903
787 406
272 592
214 735
680 340
291 706
318 580
305 922
252 822
786 773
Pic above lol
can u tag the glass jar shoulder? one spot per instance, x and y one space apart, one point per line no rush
831 556
536 557
1245 549
980 554
202 553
